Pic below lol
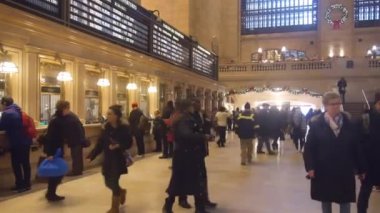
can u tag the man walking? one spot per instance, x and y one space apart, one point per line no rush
371 143
264 130
246 125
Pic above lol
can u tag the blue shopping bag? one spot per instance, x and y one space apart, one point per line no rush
53 168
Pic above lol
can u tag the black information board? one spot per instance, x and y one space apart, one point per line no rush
111 19
48 7
203 61
170 44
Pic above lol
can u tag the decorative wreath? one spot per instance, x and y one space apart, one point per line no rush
336 7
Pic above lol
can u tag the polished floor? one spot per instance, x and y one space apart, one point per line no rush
273 184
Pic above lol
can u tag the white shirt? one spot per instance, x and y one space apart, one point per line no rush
221 118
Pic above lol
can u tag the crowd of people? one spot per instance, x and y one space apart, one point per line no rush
335 150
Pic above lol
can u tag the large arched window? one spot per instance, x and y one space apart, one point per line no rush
272 16
367 13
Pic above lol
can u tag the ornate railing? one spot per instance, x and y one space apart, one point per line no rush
279 66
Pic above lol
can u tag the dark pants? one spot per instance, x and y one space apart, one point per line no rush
261 141
222 135
139 136
158 138
112 182
21 166
298 136
364 194
53 183
275 142
77 158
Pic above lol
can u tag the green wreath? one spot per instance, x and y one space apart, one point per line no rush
336 7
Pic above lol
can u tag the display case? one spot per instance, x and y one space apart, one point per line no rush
122 93
144 98
92 99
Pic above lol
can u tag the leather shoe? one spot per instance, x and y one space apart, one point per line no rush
54 198
185 205
211 205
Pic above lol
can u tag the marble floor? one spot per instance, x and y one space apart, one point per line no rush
273 184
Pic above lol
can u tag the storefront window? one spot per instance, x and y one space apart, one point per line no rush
50 90
122 93
92 98
144 98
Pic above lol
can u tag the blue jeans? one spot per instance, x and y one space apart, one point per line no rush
344 207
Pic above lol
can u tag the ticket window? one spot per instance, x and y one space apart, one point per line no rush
2 85
50 90
144 98
162 93
122 94
92 98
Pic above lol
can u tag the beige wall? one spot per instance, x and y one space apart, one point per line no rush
175 12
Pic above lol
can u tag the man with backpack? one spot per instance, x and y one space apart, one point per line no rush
20 130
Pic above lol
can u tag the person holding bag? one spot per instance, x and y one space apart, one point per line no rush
114 140
54 140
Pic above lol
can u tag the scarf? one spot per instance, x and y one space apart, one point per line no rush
335 123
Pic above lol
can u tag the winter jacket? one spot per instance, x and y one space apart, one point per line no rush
114 162
246 125
370 140
74 129
56 135
11 122
134 120
334 159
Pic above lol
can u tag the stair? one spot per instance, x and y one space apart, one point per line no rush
355 109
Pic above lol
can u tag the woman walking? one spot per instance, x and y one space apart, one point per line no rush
332 156
55 138
189 153
115 139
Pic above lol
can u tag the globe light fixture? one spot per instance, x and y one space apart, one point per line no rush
152 89
103 82
64 76
131 86
6 64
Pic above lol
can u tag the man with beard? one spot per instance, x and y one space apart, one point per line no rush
371 143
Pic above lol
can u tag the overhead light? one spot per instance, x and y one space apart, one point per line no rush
152 89
283 49
103 82
341 53
64 76
374 48
260 50
131 86
331 53
369 52
6 64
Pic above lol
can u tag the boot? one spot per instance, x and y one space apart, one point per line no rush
123 196
115 205
168 206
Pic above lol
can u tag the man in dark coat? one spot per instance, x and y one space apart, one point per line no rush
342 84
332 155
11 122
76 138
188 160
137 132
371 143
264 131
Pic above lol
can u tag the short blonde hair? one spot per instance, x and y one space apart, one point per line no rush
157 112
328 96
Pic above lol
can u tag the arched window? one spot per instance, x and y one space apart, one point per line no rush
271 16
367 13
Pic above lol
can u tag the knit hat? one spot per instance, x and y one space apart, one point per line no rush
377 97
247 106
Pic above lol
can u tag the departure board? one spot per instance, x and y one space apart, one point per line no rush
51 7
111 18
203 61
170 44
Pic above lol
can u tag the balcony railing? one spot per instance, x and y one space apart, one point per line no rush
301 66
127 24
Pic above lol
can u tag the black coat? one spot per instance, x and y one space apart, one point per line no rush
56 135
188 172
263 118
114 162
74 129
335 160
371 144
134 120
